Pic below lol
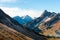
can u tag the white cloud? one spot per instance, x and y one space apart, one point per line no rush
8 0
21 12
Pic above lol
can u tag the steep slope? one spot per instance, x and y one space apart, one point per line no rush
52 33
34 24
53 20
7 33
10 22
51 27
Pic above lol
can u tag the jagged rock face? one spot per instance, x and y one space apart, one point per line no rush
45 26
10 22
52 32
7 33
56 28
49 14
53 20
36 22
51 27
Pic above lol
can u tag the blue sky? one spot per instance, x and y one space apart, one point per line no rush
50 5
53 5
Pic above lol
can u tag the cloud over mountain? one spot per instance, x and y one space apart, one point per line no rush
21 12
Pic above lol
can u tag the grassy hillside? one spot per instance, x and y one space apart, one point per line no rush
7 33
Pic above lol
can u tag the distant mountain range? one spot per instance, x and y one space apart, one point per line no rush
19 20
27 18
23 20
47 25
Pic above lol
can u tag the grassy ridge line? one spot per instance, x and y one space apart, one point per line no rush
12 34
53 38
